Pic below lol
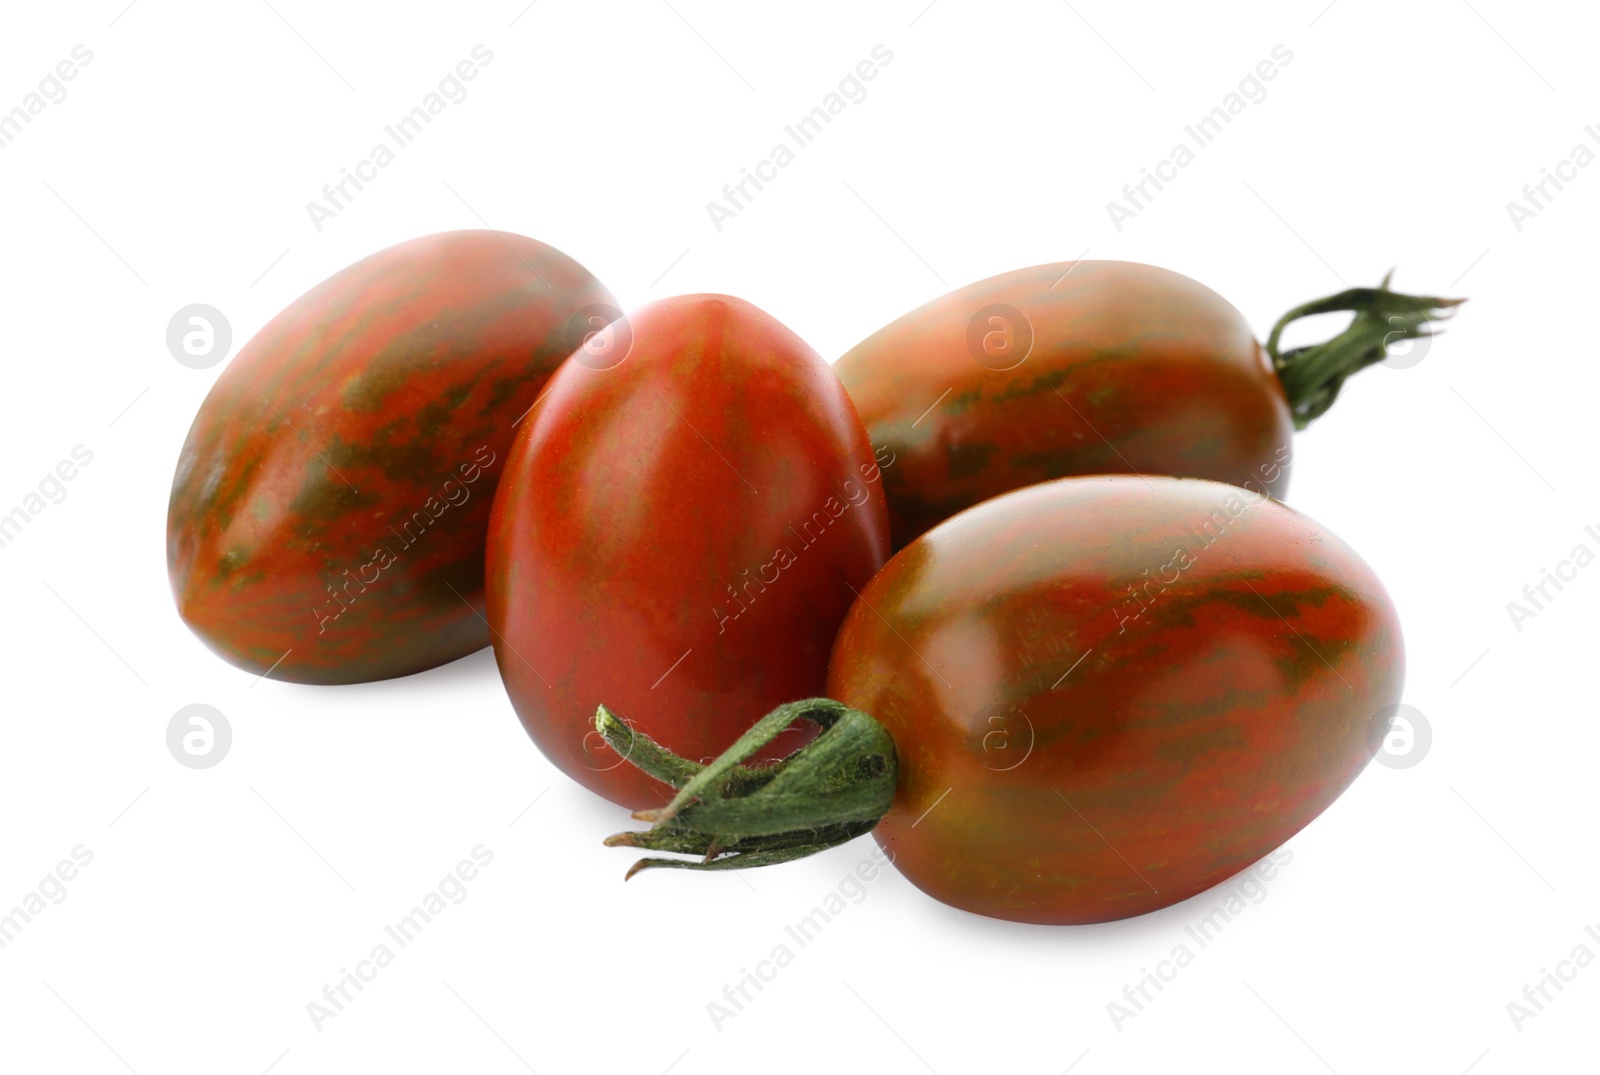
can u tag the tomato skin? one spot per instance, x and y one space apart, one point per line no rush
331 502
640 499
1096 762
1132 369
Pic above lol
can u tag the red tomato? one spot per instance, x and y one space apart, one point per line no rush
330 504
1109 694
682 525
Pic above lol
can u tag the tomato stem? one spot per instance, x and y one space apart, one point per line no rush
1312 376
733 815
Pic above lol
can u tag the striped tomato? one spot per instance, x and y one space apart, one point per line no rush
330 505
1098 367
1101 696
1118 692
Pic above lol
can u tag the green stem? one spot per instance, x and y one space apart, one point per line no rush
643 752
732 815
1312 376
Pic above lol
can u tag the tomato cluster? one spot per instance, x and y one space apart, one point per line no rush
1103 669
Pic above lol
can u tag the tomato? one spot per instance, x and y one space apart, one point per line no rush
1109 694
331 502
1097 367
683 523
1096 696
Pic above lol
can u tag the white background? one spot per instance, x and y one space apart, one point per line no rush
220 902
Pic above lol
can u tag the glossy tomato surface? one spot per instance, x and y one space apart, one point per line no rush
331 502
1111 693
1089 367
683 523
